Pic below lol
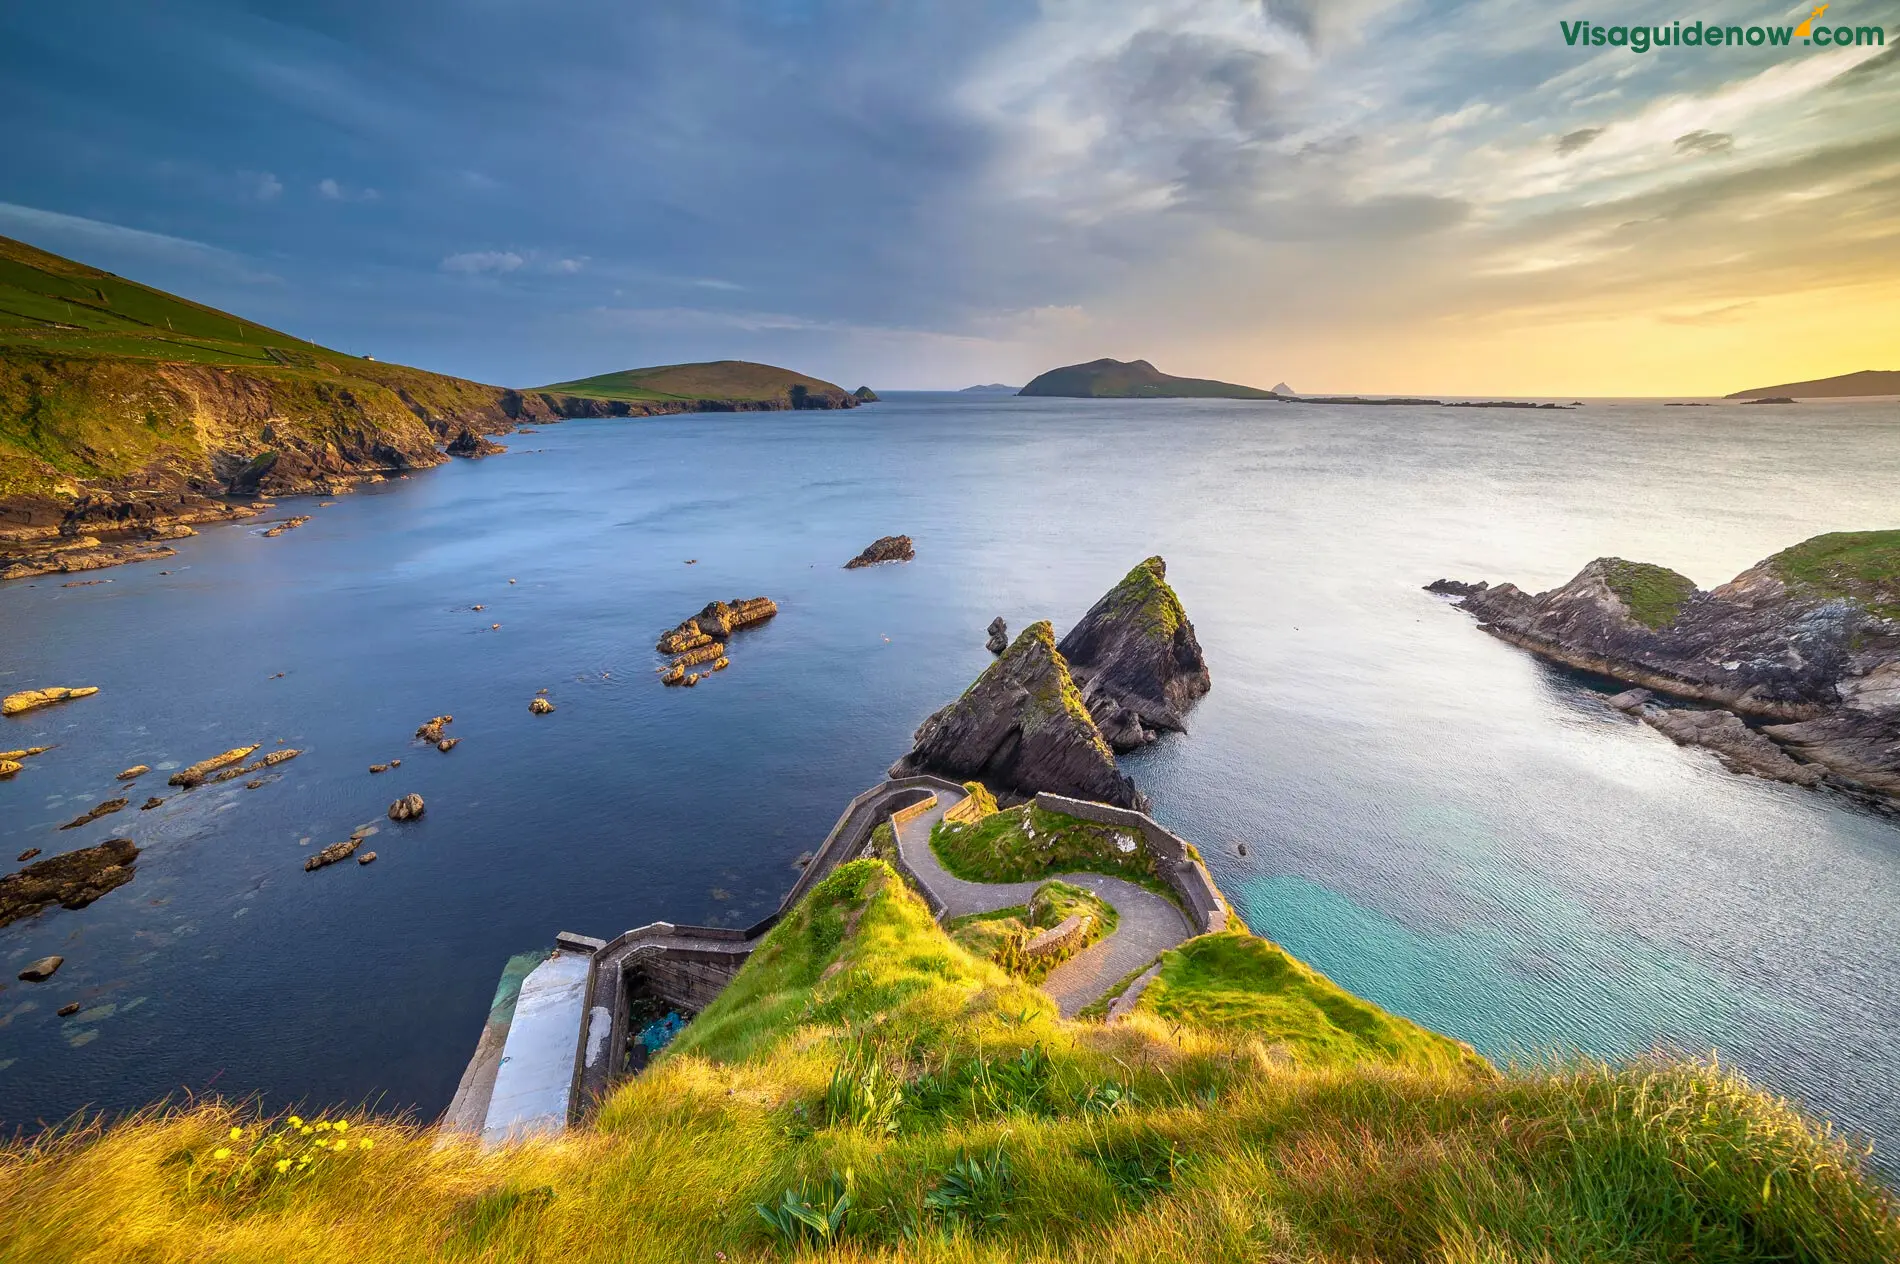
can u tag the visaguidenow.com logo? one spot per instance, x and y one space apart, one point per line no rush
1813 32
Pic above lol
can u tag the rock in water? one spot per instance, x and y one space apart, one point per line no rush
30 699
540 706
889 548
1740 748
865 395
333 853
42 970
1023 727
468 443
196 774
407 808
104 809
1135 657
136 770
72 879
999 635
432 731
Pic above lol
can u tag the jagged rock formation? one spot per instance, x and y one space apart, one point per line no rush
702 638
1808 639
999 636
887 548
470 444
1022 727
72 879
1136 659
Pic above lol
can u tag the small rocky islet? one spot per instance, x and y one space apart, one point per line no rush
703 637
1049 716
1793 666
889 548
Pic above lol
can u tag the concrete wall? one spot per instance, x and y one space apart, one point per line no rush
1174 863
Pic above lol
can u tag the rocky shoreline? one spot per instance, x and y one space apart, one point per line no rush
1797 658
250 454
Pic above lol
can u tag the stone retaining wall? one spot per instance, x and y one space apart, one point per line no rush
1174 861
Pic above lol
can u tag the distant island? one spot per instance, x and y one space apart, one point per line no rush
715 386
1847 385
127 414
991 388
1133 379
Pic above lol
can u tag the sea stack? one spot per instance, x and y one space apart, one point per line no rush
1022 727
1135 658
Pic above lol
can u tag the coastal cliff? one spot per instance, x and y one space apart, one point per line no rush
1136 659
1806 642
1022 727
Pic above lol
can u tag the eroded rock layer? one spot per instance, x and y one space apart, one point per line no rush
1136 659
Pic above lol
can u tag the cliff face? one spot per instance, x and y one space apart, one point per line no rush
1809 637
1136 659
1022 727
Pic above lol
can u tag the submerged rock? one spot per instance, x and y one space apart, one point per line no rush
104 809
150 803
889 548
1022 727
32 699
288 524
196 774
407 808
999 635
71 879
1136 659
27 855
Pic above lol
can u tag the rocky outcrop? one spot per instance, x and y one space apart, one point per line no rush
80 553
104 809
33 699
1022 727
1808 639
42 970
72 879
1136 659
331 854
407 808
431 730
540 706
865 395
195 775
889 548
288 524
999 636
470 444
702 638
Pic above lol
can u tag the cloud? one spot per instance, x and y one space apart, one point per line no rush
100 241
266 187
1704 142
1571 142
476 261
332 190
1713 316
566 267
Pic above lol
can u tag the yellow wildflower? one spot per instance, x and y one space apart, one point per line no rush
296 1121
306 1130
342 1125
283 1165
220 1153
236 1133
363 1144
322 1126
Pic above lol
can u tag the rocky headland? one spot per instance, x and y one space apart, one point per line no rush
1136 659
1051 717
1022 727
1797 658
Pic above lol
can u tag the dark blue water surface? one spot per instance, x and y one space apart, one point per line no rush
1435 819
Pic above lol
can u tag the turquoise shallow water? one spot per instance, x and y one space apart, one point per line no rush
1433 818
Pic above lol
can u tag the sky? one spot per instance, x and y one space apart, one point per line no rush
1345 195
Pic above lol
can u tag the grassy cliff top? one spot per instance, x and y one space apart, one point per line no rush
1654 594
1133 379
1862 566
866 1084
54 306
715 379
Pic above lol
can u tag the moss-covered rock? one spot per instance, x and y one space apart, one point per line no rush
1136 658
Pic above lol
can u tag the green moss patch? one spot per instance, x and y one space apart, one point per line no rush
1022 844
1000 936
1235 982
1653 594
1861 566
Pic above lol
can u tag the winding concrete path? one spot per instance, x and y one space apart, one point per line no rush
1147 924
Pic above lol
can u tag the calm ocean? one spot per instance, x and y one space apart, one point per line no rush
1433 818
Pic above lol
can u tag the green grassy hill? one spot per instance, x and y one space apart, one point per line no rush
1133 379
867 1090
713 380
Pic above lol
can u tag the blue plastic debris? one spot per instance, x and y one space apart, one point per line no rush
656 1035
